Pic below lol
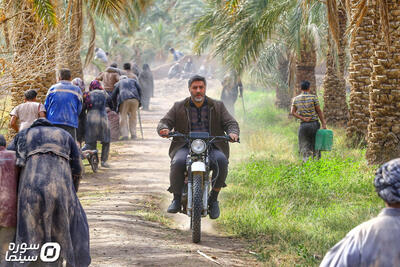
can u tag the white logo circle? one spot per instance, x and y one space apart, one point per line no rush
50 252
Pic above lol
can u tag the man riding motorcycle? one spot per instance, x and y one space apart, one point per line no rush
198 113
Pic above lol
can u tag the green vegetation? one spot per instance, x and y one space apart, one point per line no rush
292 212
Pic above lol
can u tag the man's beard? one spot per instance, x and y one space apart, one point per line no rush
198 98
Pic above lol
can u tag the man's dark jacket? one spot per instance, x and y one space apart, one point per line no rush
126 89
178 119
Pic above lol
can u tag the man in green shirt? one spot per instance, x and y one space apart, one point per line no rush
306 108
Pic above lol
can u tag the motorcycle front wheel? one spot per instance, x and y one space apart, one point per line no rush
197 207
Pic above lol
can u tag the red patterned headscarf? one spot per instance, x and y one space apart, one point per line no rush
95 84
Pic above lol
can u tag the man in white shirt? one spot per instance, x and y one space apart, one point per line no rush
27 112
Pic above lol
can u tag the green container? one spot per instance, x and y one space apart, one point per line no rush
324 140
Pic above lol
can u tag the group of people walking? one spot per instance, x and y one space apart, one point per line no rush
47 160
48 156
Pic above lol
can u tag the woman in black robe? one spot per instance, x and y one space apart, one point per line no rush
146 83
97 128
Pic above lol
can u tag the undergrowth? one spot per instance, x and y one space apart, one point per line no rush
292 213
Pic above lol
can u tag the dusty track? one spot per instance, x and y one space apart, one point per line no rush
121 204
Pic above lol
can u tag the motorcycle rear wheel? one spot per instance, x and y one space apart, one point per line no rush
197 207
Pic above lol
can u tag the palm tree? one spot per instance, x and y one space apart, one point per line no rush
128 10
35 37
275 68
378 51
157 38
241 34
31 50
335 108
33 56
359 77
383 128
70 37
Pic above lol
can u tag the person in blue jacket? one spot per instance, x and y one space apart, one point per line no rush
64 103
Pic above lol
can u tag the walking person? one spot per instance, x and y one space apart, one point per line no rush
306 108
27 112
97 127
377 241
128 71
176 54
48 206
231 88
109 77
127 94
80 131
64 103
146 83
135 69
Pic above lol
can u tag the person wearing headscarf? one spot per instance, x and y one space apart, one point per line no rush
146 83
80 132
377 241
97 128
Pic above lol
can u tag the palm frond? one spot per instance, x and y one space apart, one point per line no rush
45 11
109 8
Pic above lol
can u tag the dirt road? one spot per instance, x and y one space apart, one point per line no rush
126 204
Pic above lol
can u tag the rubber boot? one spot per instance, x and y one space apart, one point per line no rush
105 150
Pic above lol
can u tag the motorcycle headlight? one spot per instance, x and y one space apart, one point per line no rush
198 146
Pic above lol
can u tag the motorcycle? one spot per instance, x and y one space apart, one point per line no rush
198 183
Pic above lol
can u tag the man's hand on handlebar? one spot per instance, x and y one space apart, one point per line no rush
234 137
164 133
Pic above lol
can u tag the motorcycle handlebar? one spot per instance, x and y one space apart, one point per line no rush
178 134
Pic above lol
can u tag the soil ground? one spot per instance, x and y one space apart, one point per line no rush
126 204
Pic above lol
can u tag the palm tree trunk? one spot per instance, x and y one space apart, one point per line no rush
384 124
359 78
335 106
305 64
283 94
33 57
342 15
71 36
